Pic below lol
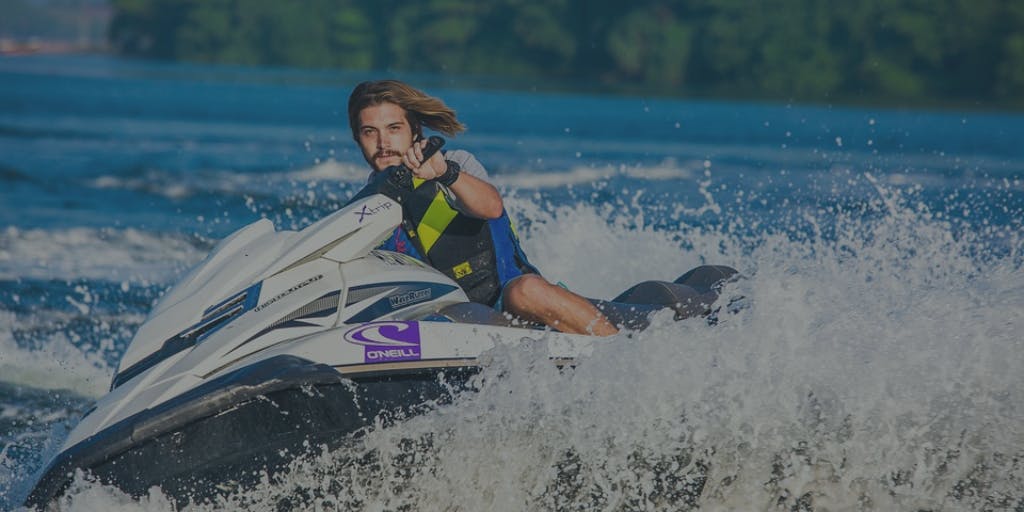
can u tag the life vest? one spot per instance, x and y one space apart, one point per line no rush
480 255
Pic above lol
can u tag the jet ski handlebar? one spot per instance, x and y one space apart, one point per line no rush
396 180
401 176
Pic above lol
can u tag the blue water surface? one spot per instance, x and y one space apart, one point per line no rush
116 175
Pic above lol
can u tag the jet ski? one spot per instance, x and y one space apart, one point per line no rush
283 340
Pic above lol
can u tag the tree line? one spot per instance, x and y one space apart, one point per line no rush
962 51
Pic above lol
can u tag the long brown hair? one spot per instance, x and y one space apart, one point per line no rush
420 109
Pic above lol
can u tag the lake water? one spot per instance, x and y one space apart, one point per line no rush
879 366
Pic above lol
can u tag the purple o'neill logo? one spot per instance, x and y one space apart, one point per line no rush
387 341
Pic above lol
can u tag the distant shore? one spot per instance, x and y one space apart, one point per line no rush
10 48
36 46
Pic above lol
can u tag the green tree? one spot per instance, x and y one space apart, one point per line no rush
1008 82
351 36
797 59
789 49
891 44
434 35
147 27
210 33
651 46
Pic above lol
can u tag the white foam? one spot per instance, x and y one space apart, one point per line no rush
875 368
88 253
331 170
880 367
232 182
85 494
529 180
55 364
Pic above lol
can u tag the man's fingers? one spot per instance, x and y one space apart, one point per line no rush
437 161
410 160
413 159
417 148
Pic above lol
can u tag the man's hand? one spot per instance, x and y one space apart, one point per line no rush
476 198
431 169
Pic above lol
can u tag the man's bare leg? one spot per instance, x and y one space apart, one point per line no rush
532 298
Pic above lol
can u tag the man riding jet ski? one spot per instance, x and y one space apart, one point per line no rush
281 340
454 219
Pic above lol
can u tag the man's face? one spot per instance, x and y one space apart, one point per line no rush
384 135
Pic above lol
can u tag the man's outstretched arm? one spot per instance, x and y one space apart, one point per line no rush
476 197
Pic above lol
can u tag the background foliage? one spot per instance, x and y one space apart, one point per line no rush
958 51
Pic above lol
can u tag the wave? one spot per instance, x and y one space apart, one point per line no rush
178 185
77 131
876 367
45 386
55 362
118 255
669 169
12 175
332 180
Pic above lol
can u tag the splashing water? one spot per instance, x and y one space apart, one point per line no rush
876 367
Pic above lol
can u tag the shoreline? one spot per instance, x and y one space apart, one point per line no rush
32 47
10 47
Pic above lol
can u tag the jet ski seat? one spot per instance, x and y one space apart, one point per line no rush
475 313
691 295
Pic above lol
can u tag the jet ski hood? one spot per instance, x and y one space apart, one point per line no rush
251 255
259 287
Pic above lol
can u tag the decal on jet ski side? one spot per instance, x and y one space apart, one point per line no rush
397 259
366 211
324 307
390 297
289 291
387 341
413 297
